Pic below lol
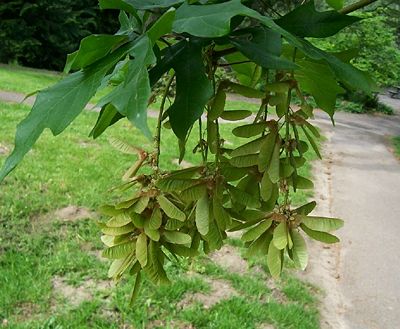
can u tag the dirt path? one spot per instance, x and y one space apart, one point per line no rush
359 181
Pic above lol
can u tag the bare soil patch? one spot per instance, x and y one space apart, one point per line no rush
229 259
276 293
75 295
4 150
220 290
169 324
67 214
265 326
73 213
91 250
25 311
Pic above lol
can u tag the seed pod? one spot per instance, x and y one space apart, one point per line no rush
278 87
266 151
235 115
217 105
249 130
249 148
202 215
170 209
246 91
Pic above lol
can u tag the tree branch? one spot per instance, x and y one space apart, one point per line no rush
224 52
355 6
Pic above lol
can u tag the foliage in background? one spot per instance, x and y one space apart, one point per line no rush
375 38
41 33
358 102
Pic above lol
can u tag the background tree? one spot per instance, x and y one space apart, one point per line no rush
41 33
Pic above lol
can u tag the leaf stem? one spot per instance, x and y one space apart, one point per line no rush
355 6
287 144
202 148
159 120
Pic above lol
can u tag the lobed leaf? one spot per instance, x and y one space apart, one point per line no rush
193 89
93 48
305 21
131 97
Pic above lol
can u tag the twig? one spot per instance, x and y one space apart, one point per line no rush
160 116
224 52
235 63
355 6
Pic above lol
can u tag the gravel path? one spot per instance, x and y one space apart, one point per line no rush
363 179
9 96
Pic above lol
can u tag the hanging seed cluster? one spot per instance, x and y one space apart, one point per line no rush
245 189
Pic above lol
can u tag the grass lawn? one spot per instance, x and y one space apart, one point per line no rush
51 275
396 143
24 80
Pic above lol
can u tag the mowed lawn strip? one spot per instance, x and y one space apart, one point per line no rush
51 273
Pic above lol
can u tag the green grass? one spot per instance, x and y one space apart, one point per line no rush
25 81
36 247
396 144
